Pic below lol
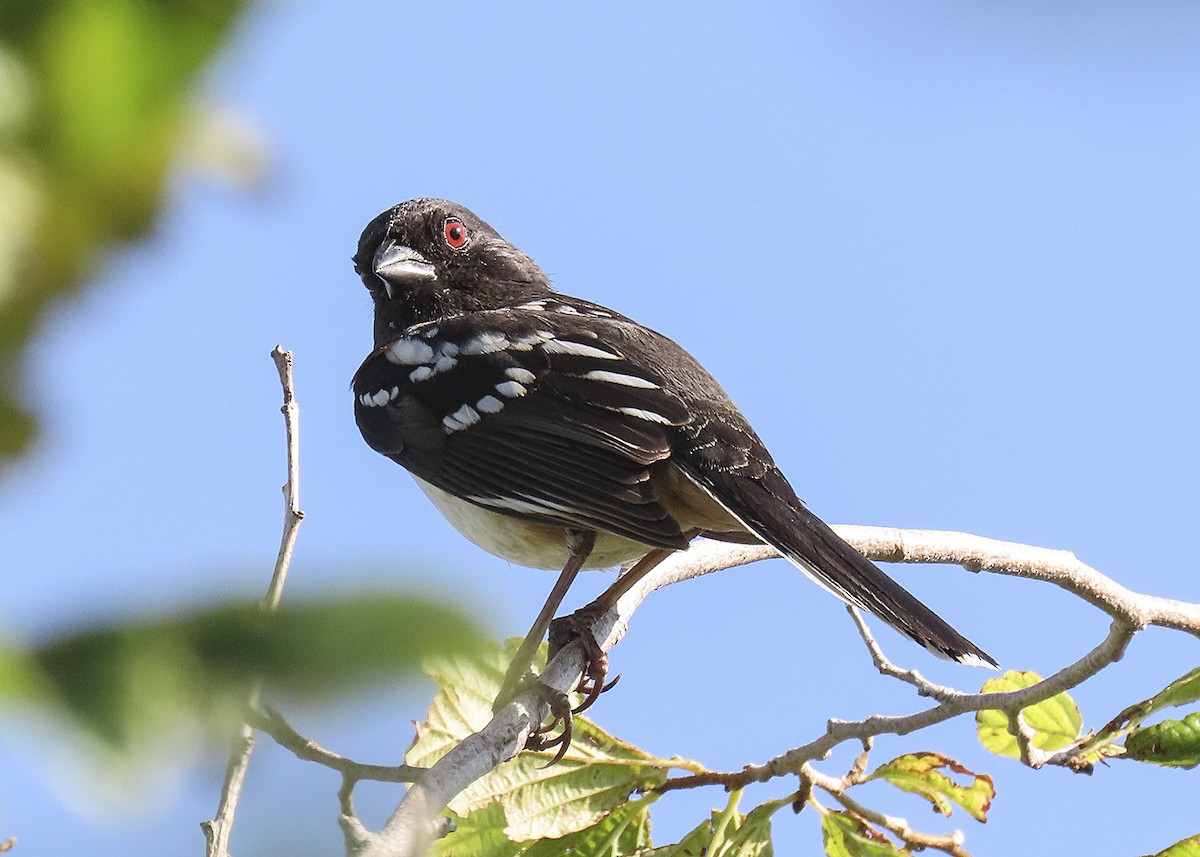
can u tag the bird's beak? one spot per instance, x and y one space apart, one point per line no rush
396 264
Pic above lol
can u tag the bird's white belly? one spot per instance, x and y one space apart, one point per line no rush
524 543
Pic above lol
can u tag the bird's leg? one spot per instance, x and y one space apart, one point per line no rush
578 625
579 546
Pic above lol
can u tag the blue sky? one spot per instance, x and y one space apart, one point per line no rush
944 255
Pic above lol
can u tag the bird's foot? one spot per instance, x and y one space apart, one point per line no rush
542 738
559 729
578 626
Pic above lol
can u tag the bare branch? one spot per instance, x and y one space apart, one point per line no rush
414 823
267 720
838 731
218 830
292 514
1058 567
949 843
886 667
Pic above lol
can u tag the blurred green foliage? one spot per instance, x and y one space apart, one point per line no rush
133 683
94 104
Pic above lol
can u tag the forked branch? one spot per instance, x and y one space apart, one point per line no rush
414 823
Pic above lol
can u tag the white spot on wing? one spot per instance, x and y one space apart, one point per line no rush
510 389
379 398
489 405
618 378
529 340
420 373
563 346
533 305
461 419
485 343
649 416
443 364
409 352
519 374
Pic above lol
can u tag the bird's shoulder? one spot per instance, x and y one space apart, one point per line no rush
558 366
555 363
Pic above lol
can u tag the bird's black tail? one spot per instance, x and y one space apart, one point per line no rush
769 508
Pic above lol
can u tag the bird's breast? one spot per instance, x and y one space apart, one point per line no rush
527 543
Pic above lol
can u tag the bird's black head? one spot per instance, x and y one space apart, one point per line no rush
429 258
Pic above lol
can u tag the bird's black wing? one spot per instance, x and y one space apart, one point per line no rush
722 455
528 412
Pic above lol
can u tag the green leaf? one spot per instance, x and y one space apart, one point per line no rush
625 830
1055 722
694 844
727 833
1189 847
752 835
1171 743
481 834
1183 690
597 775
848 835
128 682
922 774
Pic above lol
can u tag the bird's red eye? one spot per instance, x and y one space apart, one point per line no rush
456 233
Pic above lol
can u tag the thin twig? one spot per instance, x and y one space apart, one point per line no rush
837 731
218 830
948 843
268 720
886 667
292 514
414 823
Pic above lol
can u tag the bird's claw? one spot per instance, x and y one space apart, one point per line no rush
578 626
560 712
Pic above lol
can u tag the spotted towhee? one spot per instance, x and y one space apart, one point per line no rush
556 433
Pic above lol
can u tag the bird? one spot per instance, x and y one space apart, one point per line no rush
557 433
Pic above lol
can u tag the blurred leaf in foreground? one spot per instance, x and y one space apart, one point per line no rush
94 106
132 682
